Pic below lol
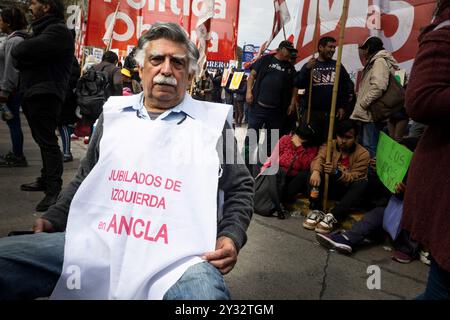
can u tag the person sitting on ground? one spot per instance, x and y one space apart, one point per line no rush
348 177
371 226
294 154
161 233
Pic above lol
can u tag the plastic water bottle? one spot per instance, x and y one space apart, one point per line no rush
314 193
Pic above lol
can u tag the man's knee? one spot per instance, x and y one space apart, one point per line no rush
201 281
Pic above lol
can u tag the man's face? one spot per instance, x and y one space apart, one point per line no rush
347 141
165 75
38 9
327 52
363 54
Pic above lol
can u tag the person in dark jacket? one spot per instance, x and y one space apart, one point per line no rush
68 117
427 202
109 65
44 61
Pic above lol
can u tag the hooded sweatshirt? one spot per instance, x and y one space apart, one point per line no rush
9 75
374 83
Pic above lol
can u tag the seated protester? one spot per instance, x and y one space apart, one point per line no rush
348 177
294 154
372 225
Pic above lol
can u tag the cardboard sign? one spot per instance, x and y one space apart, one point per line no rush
393 161
225 76
236 80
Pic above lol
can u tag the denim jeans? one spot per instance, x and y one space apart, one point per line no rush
202 281
15 128
438 285
30 266
369 137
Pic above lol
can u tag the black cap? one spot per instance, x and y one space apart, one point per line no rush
288 45
372 42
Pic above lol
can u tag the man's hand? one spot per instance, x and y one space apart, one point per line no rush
328 168
225 256
292 109
373 163
340 114
315 179
249 98
43 225
400 188
311 63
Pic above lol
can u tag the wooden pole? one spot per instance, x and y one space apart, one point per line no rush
343 22
315 44
284 32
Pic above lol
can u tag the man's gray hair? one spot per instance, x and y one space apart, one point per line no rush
169 31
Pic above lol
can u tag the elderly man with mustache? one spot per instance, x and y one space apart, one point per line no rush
182 215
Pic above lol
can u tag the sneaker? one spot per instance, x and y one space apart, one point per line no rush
11 160
312 219
335 241
68 157
44 204
37 185
401 257
326 225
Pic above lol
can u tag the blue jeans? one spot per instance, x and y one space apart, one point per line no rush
30 266
370 134
438 285
15 128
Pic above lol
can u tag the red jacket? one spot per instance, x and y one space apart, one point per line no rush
427 198
284 153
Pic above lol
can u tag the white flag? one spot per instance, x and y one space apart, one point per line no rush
111 21
202 30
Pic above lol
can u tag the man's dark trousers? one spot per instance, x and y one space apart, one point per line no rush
42 112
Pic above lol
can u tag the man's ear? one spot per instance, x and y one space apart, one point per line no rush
141 71
46 8
191 76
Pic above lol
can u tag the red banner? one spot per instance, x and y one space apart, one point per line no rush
397 23
136 16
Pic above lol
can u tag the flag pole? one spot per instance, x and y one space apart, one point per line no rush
108 47
315 44
343 22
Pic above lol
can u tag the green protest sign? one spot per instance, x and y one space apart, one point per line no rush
392 161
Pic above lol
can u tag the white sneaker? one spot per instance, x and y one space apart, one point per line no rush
312 219
326 225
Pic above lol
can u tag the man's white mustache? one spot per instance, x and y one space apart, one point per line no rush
160 79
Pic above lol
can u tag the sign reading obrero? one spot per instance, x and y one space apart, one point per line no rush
134 17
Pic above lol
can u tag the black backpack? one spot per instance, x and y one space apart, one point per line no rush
92 91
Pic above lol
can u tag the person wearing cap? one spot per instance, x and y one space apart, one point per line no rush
324 70
130 85
269 91
379 63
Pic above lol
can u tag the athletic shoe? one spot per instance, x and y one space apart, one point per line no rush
401 257
326 225
312 219
335 241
